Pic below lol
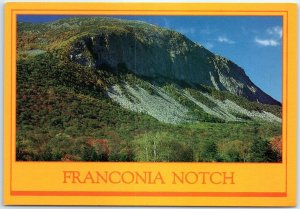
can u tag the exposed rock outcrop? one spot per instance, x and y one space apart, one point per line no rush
141 48
151 51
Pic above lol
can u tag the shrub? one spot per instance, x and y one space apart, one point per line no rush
261 151
234 151
208 152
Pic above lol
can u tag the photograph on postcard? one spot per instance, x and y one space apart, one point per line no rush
149 88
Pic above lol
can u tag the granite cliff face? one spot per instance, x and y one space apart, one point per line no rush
154 52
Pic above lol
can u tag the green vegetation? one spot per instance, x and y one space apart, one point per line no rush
45 36
241 101
62 106
64 113
162 146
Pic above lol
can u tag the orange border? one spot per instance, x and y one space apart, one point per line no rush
13 13
191 194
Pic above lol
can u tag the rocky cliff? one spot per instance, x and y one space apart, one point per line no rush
151 51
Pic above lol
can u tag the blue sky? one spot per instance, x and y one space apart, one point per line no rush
252 42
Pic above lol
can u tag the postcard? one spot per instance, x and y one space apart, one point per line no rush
150 104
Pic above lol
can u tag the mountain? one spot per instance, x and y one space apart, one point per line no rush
89 82
152 51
